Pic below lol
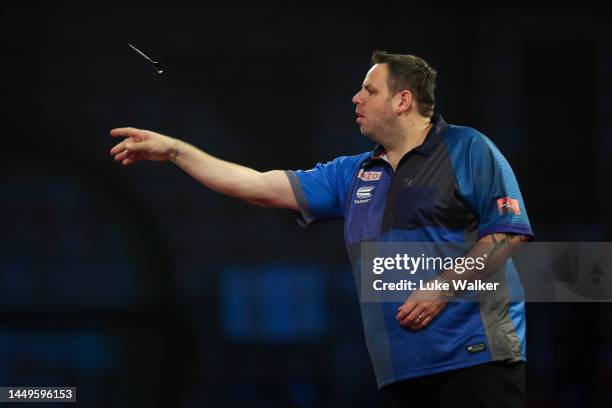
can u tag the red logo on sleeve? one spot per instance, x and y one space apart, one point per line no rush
508 205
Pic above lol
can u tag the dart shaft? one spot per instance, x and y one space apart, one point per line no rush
140 52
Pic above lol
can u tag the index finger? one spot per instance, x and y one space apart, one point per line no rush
406 309
125 132
119 147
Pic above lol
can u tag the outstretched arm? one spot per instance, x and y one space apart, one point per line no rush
267 189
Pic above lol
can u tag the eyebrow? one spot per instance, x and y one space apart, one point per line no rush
369 86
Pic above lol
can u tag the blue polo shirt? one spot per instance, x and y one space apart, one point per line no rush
455 187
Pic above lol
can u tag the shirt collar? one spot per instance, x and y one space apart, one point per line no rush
434 135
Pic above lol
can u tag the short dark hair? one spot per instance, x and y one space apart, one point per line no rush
412 73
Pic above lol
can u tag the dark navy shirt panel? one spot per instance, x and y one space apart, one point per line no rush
366 202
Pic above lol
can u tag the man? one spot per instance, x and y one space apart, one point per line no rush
426 181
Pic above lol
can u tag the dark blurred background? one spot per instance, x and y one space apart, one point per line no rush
143 288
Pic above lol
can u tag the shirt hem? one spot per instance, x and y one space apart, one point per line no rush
421 372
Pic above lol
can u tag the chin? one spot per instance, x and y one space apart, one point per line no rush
365 132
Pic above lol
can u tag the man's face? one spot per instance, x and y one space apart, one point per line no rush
374 109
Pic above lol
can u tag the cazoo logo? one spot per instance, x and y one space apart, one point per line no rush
369 175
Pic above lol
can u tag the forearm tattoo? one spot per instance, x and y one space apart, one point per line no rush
498 244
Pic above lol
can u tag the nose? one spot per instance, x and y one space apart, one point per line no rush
357 98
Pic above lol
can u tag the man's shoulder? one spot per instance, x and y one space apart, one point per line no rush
347 162
465 137
464 134
341 166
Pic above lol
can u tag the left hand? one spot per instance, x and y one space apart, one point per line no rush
420 309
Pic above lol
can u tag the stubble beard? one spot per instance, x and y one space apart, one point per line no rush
380 134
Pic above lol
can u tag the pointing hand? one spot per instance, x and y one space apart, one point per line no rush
141 145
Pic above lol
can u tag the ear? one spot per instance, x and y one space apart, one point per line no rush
405 102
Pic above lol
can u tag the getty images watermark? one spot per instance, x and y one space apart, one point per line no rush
537 272
412 264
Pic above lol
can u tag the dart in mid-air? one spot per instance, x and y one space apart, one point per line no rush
156 64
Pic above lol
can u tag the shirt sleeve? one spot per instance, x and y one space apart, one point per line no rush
491 189
320 192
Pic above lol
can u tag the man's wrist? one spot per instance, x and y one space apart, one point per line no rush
175 151
446 288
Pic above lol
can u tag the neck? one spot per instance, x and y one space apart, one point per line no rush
407 137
